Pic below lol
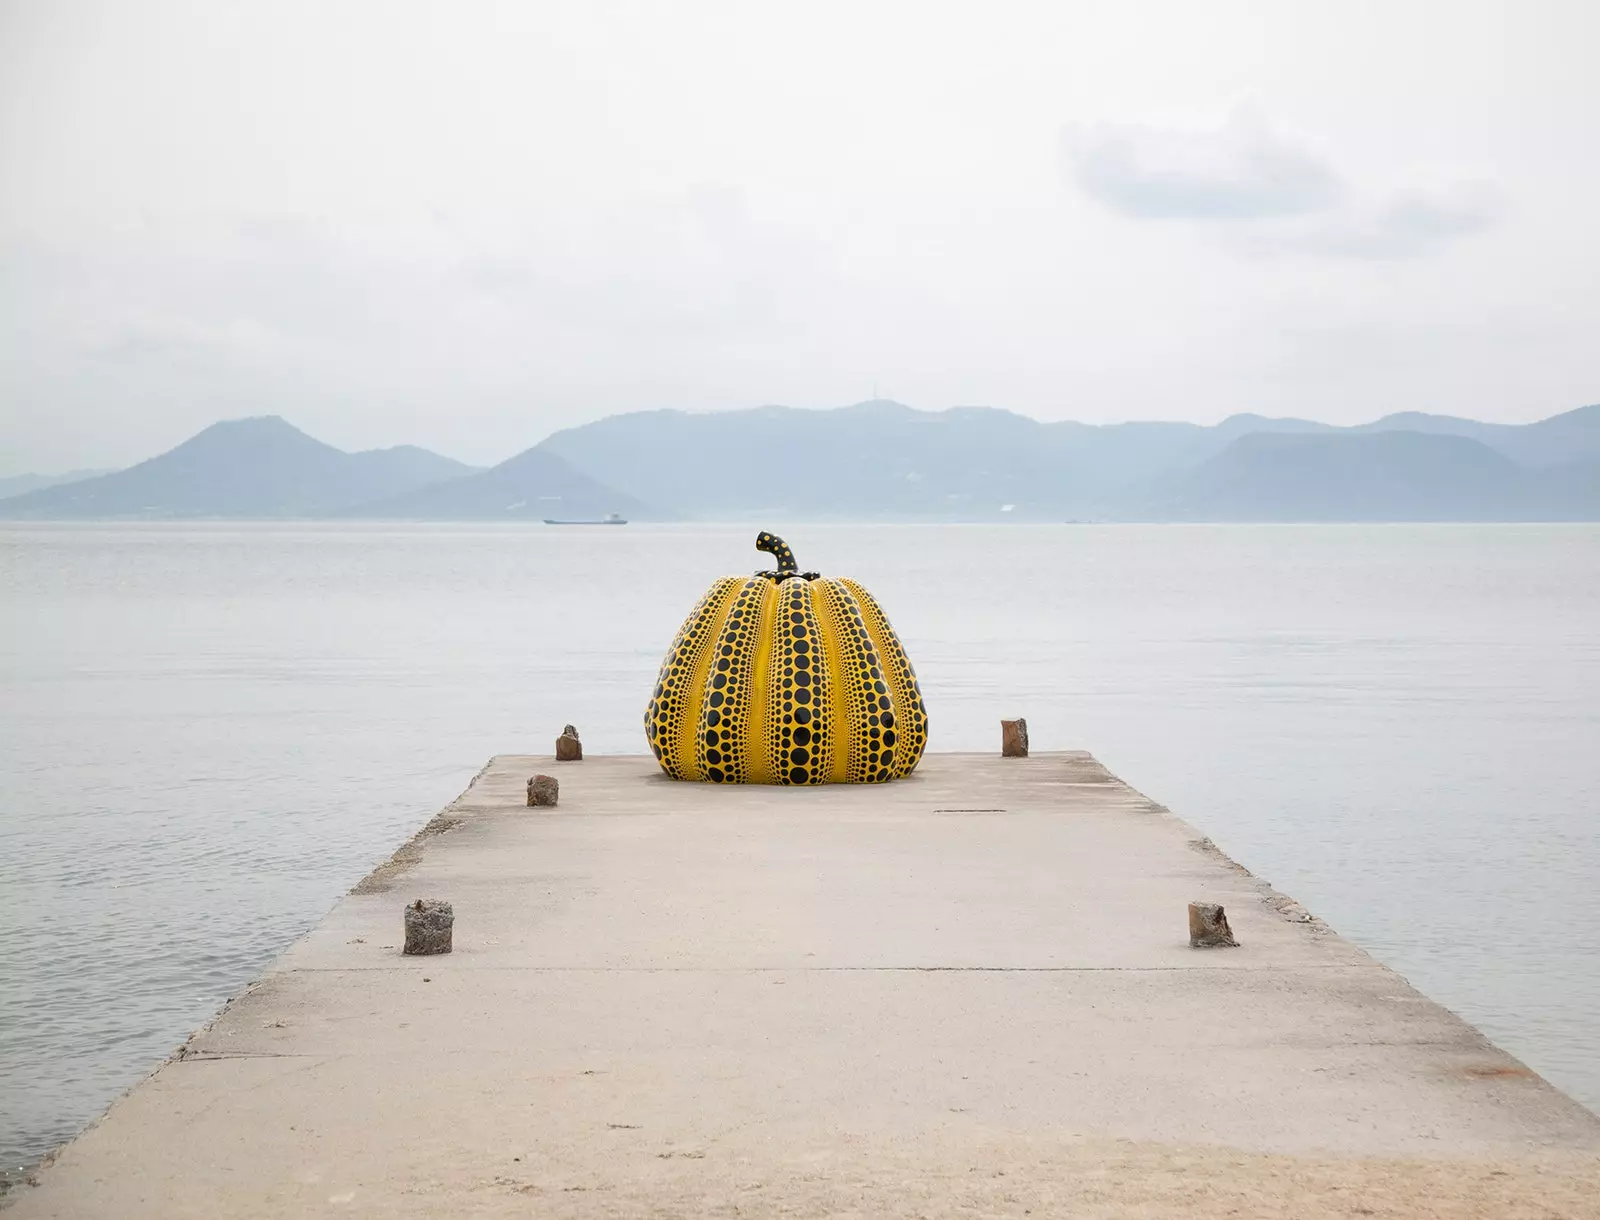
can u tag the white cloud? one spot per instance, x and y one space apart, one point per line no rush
1404 225
1244 170
1274 193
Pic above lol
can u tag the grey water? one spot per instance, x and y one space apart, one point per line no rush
209 732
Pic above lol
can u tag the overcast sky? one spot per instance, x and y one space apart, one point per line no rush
466 225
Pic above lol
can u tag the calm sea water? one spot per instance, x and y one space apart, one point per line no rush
208 733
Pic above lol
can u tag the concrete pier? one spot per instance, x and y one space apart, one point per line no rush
967 993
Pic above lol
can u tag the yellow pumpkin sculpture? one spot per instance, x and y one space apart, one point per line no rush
786 678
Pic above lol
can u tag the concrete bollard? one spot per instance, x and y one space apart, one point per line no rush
1208 927
1014 738
428 926
543 790
568 747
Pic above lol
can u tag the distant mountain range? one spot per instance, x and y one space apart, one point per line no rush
260 467
533 485
884 460
879 461
16 484
1377 476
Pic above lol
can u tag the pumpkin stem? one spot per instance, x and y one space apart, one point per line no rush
779 550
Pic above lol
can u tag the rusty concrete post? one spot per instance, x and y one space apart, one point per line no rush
1208 927
543 790
1014 738
568 747
428 926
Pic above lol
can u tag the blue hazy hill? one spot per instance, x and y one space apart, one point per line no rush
529 487
1370 476
882 460
258 467
16 484
885 460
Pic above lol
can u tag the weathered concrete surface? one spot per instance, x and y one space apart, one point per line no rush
677 999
